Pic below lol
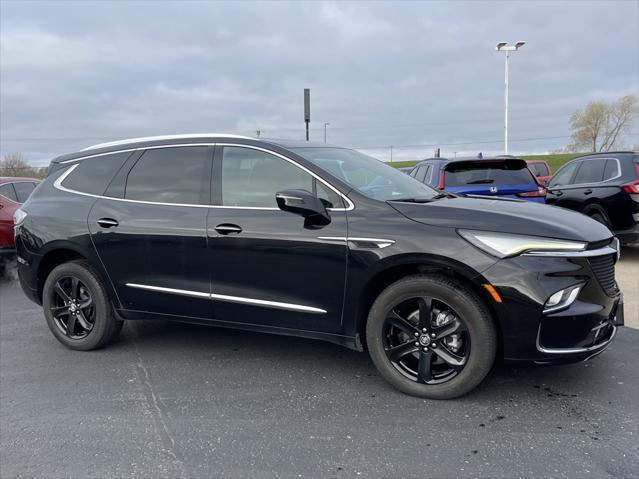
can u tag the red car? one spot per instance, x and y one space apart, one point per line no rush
541 170
13 192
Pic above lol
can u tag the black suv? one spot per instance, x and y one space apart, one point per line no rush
604 186
317 241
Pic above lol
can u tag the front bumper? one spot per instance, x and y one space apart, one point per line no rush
585 328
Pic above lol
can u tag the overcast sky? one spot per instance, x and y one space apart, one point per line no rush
419 73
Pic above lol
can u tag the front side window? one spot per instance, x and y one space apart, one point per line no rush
23 190
7 191
171 175
369 176
590 171
251 178
563 176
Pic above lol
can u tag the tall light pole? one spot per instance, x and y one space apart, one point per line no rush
325 125
504 47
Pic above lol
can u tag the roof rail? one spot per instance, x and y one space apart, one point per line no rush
164 137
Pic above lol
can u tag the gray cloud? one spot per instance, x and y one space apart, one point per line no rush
382 74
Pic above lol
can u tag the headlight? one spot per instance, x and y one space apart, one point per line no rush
503 245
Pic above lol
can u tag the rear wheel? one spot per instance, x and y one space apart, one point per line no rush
601 217
76 307
431 337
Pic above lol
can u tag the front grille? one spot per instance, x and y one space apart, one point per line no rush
604 269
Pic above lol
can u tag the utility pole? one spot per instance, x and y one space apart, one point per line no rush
307 109
325 125
258 133
391 151
504 47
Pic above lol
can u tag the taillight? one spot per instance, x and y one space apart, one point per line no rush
632 188
541 191
440 184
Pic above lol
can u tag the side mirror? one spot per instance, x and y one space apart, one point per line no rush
303 203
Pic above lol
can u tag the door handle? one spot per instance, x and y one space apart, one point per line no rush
588 192
227 228
557 192
108 222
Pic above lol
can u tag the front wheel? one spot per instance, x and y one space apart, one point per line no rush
77 308
431 337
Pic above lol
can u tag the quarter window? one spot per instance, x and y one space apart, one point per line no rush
7 191
23 190
590 171
93 175
250 178
611 170
171 175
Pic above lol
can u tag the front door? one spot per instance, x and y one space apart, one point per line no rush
152 239
267 268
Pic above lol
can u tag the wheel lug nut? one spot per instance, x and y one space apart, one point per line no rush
416 344
424 330
433 345
433 335
416 334
425 349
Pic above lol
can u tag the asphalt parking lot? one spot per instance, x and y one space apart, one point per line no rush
177 400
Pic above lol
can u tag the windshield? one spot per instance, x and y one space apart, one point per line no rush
485 172
367 175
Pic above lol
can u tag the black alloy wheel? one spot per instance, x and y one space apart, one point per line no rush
426 340
73 310
431 336
77 307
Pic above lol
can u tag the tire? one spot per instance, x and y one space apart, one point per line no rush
98 312
601 218
476 333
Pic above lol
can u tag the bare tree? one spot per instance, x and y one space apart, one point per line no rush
601 125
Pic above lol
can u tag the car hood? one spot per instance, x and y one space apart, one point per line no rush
505 216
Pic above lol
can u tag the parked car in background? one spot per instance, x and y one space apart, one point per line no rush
13 192
496 176
311 240
541 170
604 186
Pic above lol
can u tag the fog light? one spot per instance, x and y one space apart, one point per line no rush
562 299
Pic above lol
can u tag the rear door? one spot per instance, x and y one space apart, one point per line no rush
150 232
267 267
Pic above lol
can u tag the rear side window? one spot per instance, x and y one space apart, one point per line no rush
421 173
590 171
538 169
611 170
23 190
93 175
7 191
171 175
478 173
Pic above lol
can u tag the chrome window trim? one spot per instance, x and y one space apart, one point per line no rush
606 250
349 203
230 299
58 183
581 185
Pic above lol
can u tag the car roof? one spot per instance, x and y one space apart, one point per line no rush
190 139
470 158
11 179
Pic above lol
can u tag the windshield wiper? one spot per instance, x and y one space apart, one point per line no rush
479 182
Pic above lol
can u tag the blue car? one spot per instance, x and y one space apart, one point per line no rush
498 176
